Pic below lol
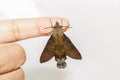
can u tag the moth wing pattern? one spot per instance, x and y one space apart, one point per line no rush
71 50
48 51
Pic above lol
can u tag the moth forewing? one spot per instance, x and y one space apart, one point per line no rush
71 50
48 51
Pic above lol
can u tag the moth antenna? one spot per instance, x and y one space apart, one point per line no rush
66 26
51 22
48 27
61 22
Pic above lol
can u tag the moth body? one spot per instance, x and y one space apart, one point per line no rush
59 46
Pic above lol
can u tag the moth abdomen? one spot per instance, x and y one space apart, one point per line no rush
61 62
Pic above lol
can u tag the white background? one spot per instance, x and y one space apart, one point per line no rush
95 32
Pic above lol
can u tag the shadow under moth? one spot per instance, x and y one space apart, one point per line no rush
59 46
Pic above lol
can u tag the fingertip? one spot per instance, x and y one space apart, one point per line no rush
21 54
12 56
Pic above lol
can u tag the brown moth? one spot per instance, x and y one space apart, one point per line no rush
59 46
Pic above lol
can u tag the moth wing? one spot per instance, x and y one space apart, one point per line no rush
48 51
71 50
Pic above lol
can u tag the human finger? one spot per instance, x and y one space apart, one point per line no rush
12 56
18 29
16 74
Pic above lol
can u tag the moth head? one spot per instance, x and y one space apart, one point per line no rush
57 25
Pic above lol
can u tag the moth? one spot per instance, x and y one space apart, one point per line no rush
59 46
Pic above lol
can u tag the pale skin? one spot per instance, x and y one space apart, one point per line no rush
12 55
